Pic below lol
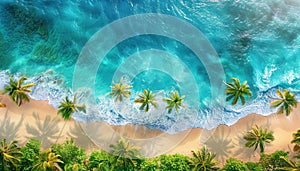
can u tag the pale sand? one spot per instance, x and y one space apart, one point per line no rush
39 120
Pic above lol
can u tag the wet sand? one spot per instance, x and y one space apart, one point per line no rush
39 120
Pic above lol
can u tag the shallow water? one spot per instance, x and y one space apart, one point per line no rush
257 41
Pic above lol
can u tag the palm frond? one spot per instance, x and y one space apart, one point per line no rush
235 91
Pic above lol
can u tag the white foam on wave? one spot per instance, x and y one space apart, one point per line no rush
51 87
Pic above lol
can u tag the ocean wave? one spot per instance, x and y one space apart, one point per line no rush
51 87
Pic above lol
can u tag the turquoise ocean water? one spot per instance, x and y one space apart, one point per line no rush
256 40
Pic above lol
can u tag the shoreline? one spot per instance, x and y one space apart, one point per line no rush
37 119
230 115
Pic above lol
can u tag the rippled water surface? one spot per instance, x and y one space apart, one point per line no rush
257 41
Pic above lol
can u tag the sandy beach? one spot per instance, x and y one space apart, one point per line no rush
39 120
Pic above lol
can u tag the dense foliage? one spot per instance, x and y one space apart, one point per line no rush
273 161
234 164
124 156
71 155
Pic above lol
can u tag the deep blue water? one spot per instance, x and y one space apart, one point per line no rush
257 41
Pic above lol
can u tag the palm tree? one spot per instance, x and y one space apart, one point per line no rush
68 107
203 160
9 154
296 141
237 91
2 105
174 101
47 160
292 166
118 90
285 102
258 137
17 91
125 154
146 99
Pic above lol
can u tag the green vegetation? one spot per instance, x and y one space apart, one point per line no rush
17 91
68 107
120 90
100 161
29 154
47 160
296 141
285 102
257 137
233 164
273 161
252 166
9 155
71 155
174 101
203 160
173 162
237 91
289 165
124 156
146 99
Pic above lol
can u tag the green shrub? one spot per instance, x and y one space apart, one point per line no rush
150 165
252 166
273 161
30 151
233 164
70 153
100 160
173 162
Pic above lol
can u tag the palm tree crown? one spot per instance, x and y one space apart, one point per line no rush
68 107
17 91
146 99
9 154
292 166
125 153
285 102
47 160
203 160
258 137
174 101
237 91
118 90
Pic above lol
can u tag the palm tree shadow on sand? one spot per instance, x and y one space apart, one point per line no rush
9 129
46 131
246 152
219 144
80 138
